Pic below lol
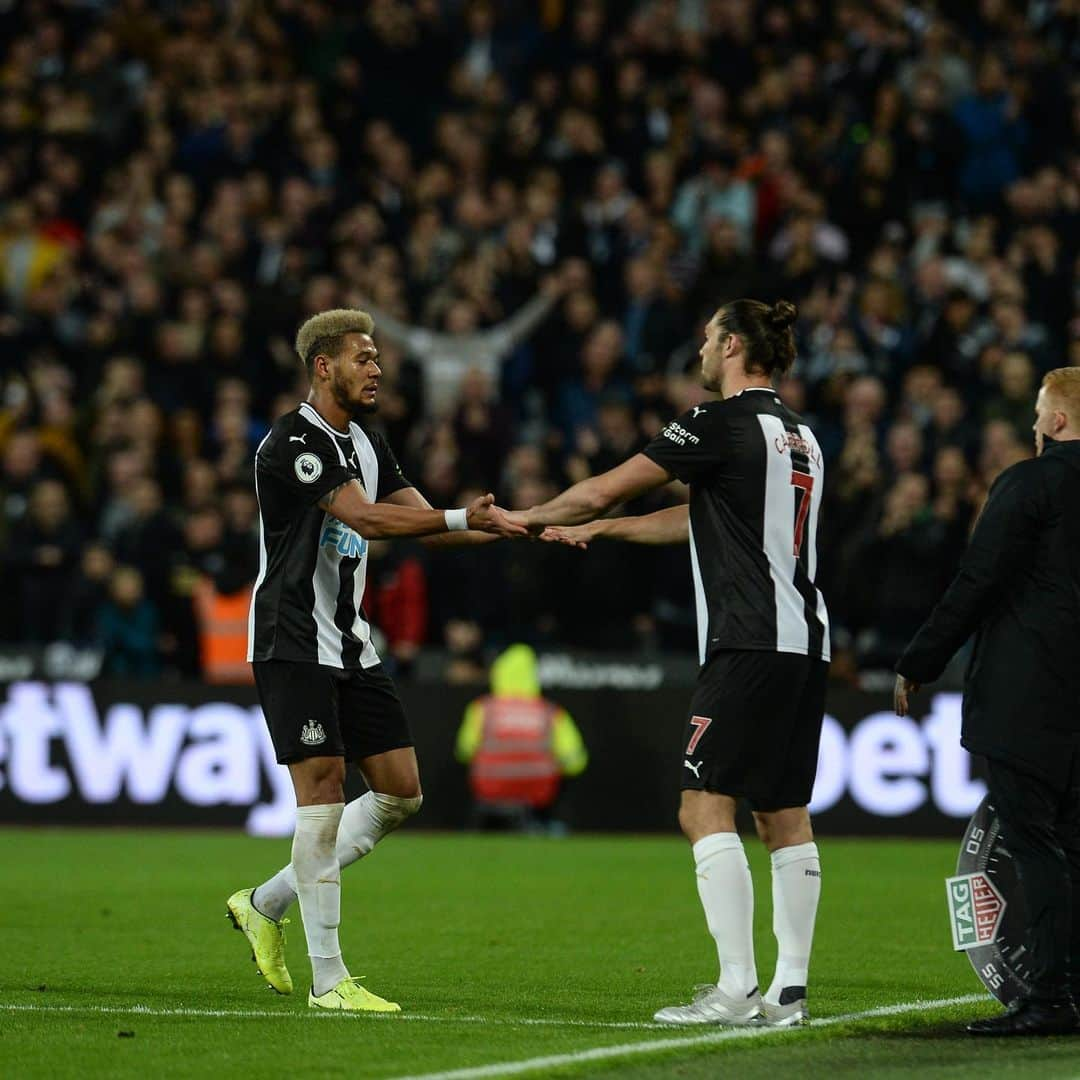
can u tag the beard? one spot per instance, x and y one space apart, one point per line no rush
340 393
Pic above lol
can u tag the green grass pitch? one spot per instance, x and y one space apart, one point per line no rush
117 961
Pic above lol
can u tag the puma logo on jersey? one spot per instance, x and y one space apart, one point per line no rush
352 460
298 438
696 411
695 769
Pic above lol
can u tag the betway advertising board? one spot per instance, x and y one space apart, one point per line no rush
158 754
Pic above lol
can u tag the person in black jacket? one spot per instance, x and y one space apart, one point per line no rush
1018 591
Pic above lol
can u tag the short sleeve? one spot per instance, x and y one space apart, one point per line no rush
691 444
391 478
306 466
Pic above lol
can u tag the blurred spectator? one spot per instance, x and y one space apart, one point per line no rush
43 552
713 192
905 562
396 601
127 628
89 591
650 323
600 377
482 429
1015 402
994 135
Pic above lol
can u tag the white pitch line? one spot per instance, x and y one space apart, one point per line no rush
324 1014
652 1046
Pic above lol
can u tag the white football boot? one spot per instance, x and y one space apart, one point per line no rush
712 1006
792 1010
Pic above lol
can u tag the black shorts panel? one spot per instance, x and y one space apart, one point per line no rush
755 726
317 711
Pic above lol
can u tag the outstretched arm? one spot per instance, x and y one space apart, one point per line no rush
384 521
411 497
668 526
511 332
410 338
595 496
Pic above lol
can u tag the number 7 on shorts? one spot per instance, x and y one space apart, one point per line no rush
701 725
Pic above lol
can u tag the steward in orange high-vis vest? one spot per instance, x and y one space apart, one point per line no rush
223 632
518 744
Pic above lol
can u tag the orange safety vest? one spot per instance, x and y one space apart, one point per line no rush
223 632
515 762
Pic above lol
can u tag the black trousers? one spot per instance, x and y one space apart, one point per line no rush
1040 825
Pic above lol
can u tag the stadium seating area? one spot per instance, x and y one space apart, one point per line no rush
541 203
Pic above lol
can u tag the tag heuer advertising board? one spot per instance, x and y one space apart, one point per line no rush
986 908
975 910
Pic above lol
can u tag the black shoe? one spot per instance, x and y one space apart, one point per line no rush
1028 1017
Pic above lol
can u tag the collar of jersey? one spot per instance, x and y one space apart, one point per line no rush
750 389
319 420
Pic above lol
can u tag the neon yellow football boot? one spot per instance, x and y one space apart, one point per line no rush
350 996
266 938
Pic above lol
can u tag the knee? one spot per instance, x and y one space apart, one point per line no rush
410 789
395 810
397 784
701 814
784 828
690 822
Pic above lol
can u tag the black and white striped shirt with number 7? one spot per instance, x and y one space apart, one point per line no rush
756 476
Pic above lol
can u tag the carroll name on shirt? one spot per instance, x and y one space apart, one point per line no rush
792 441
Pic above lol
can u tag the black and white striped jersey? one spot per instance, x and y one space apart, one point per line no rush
755 475
307 600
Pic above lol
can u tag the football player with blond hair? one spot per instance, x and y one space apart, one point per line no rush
326 487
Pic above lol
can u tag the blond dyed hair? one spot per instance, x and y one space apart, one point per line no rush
1063 385
322 333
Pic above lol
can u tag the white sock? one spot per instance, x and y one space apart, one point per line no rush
318 885
367 820
727 895
364 822
275 896
796 886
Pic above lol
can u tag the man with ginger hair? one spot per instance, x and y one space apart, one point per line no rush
325 488
1018 592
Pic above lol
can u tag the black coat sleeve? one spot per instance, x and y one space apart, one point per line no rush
1004 536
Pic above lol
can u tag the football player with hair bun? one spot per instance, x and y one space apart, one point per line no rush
754 469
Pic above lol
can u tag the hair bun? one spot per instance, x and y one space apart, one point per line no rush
782 315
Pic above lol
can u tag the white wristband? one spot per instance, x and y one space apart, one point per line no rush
456 520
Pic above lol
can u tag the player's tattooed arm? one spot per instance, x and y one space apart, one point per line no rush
410 496
395 517
327 501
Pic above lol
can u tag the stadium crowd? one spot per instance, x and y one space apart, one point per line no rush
541 204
